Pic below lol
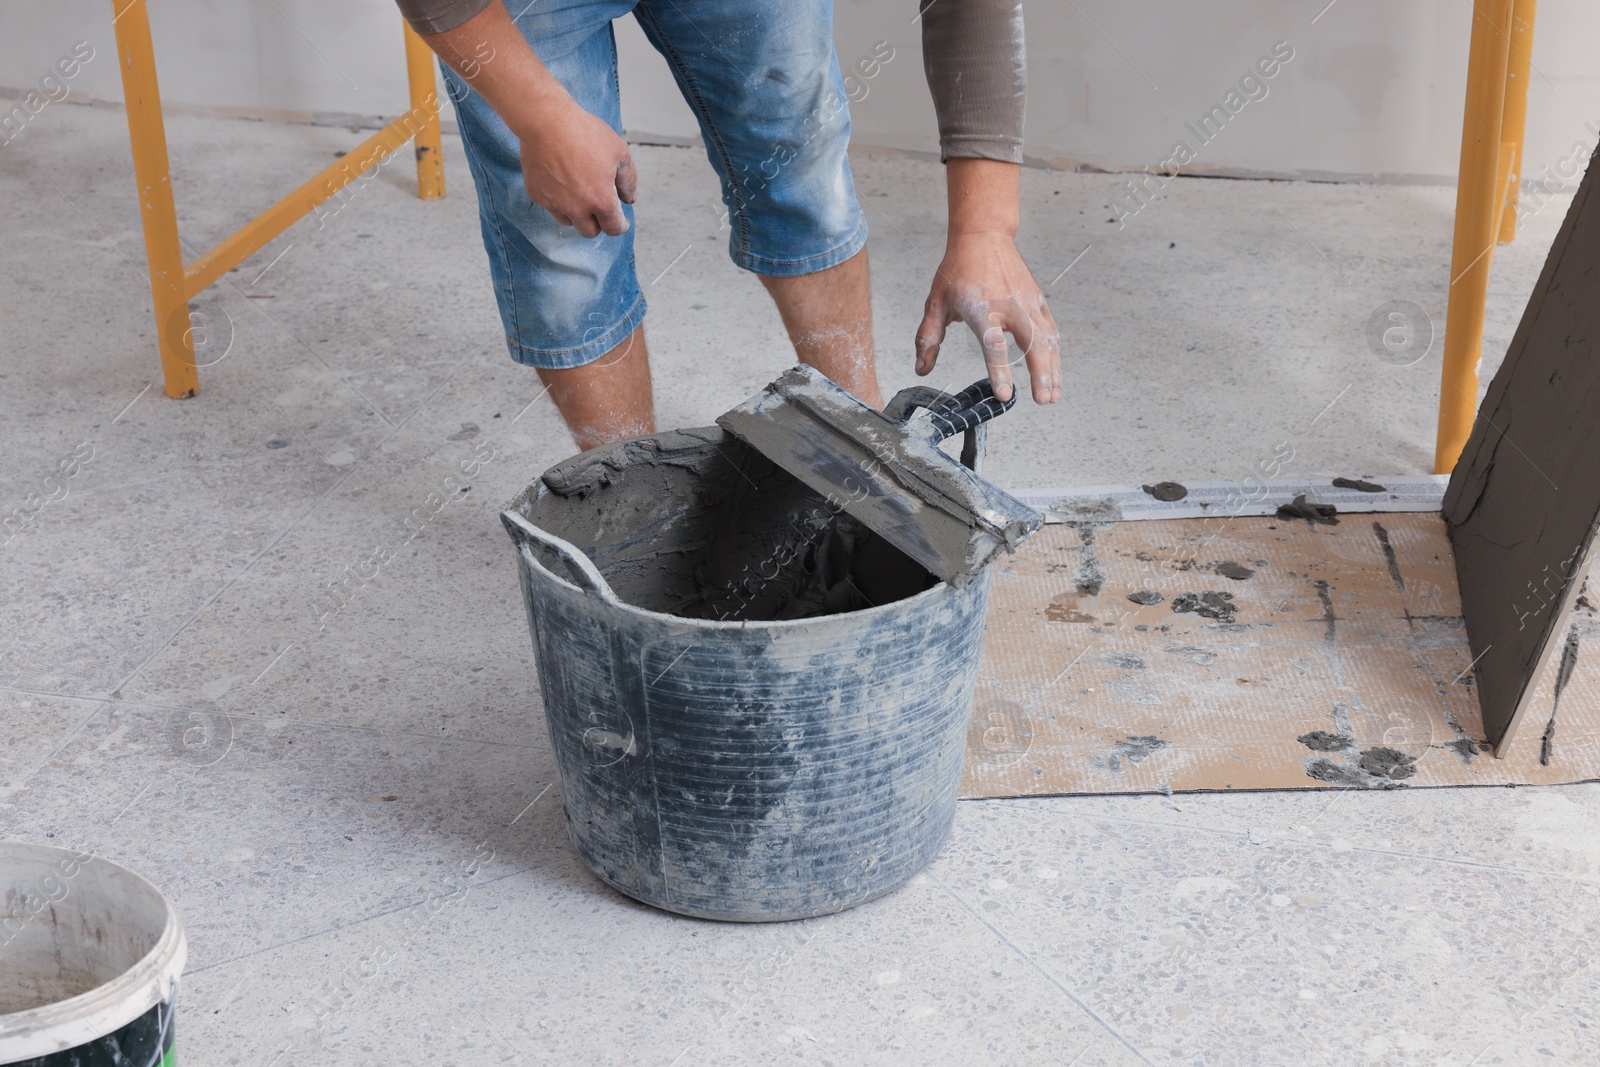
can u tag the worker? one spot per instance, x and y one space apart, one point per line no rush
537 98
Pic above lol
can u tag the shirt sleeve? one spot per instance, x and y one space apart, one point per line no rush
973 55
436 16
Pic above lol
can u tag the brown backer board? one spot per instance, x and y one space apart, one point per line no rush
1342 635
1524 500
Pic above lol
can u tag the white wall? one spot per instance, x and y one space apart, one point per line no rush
227 54
1375 87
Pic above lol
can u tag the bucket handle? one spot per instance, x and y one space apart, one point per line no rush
583 571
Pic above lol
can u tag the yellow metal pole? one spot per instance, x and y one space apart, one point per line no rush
425 99
148 135
1479 196
1518 70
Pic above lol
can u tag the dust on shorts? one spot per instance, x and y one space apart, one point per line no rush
764 82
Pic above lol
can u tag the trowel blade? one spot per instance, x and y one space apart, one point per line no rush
888 475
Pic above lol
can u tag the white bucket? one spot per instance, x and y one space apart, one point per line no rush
90 955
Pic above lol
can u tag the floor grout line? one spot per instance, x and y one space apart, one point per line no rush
188 474
359 465
76 730
1189 828
229 584
1030 961
351 924
382 731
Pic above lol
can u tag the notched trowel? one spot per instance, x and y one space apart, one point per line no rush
887 471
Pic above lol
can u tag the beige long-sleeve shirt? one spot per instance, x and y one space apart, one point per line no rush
972 53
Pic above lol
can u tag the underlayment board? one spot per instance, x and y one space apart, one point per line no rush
1525 498
1349 637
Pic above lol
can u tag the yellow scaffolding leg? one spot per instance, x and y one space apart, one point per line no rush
1518 69
1480 193
148 134
424 100
172 285
250 237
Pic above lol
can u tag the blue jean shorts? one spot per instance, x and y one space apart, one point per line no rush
764 82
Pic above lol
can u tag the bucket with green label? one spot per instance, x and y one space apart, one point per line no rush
90 955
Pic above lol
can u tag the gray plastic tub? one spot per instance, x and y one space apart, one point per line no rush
718 759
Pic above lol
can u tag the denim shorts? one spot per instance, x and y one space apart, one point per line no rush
764 82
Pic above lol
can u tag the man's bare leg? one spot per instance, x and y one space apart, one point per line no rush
829 318
609 399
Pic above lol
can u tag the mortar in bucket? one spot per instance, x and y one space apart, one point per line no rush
92 956
758 705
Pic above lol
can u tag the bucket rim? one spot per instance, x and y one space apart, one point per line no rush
106 1008
527 556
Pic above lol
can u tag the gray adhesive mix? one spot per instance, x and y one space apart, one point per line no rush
1166 491
1219 606
697 524
1316 514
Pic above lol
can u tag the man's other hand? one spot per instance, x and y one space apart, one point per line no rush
984 283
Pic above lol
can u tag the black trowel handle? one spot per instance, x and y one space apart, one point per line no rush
964 410
953 413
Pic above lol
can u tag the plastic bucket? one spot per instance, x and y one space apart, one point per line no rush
716 761
90 955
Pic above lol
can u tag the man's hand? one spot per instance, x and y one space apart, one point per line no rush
577 168
984 283
573 164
